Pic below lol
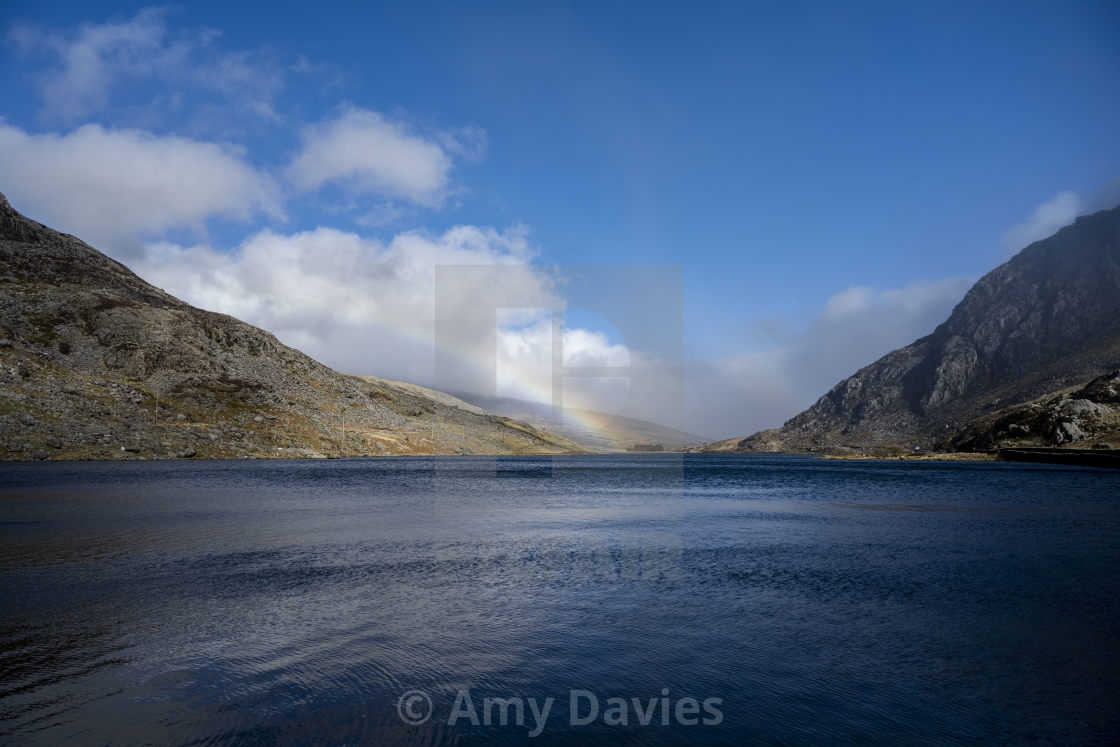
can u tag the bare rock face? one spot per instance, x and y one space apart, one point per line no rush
97 363
1047 319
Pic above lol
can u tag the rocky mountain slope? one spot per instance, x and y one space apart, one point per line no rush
597 430
1046 320
96 363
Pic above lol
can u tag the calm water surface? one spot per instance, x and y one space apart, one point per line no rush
817 601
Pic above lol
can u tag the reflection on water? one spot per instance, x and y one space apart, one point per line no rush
294 602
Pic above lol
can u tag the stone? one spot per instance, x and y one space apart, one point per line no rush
1068 433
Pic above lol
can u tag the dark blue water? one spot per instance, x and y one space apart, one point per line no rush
801 600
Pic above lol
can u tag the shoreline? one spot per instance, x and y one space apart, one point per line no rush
937 456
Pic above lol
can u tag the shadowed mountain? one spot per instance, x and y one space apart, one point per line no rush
97 363
1046 320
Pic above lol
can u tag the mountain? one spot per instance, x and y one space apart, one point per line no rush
597 430
96 363
1046 320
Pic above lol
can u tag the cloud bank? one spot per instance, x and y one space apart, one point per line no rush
738 395
1057 212
352 302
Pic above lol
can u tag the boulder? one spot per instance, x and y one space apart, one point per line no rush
1068 433
1083 407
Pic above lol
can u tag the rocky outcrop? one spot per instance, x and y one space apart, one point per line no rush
97 363
1088 417
1047 319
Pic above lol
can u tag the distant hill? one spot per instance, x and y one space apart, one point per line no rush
96 363
1046 320
598 431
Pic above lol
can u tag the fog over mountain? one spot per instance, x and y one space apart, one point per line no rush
1047 319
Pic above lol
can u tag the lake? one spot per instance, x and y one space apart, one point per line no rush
641 599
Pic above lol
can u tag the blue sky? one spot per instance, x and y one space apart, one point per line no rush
805 163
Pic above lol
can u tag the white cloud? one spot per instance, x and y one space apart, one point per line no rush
97 61
108 186
1060 210
587 348
364 151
